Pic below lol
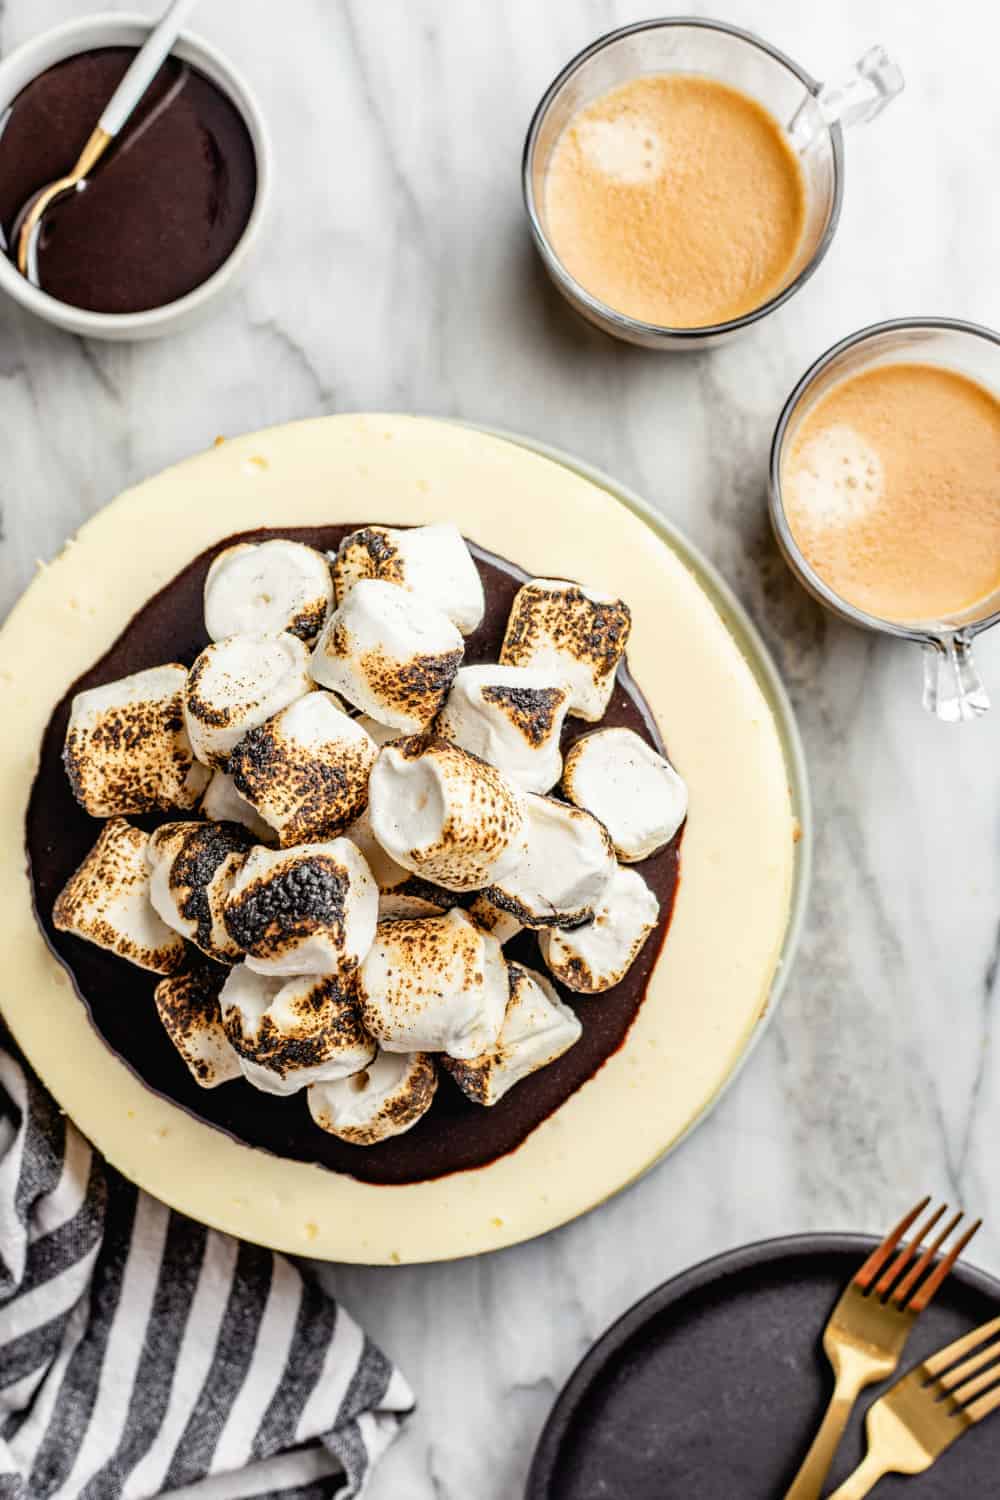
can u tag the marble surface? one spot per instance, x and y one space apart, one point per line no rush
396 273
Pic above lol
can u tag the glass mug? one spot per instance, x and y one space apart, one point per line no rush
953 690
815 114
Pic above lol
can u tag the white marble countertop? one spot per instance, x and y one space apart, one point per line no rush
397 274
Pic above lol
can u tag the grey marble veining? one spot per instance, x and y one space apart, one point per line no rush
397 274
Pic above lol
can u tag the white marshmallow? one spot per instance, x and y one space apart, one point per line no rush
263 588
430 561
492 918
308 910
222 803
236 684
390 653
635 793
511 717
382 734
443 813
400 894
306 770
597 956
290 1033
388 1098
192 869
570 633
107 902
435 984
188 1006
566 861
127 750
536 1030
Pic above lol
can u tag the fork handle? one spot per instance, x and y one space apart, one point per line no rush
808 1482
864 1479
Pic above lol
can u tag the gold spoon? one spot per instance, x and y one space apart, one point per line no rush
144 68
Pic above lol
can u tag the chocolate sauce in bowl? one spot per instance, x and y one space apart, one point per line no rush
162 211
455 1134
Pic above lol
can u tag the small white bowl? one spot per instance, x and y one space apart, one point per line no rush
25 64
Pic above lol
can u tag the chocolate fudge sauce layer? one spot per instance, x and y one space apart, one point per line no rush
455 1134
161 211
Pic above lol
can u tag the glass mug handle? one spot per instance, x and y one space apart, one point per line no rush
853 99
953 689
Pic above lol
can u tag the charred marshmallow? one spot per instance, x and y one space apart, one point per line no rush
511 717
193 866
635 793
390 653
127 750
536 1030
566 861
444 814
386 1099
107 902
222 803
434 984
308 910
492 918
289 1033
236 684
306 770
263 588
572 634
430 561
188 1006
597 956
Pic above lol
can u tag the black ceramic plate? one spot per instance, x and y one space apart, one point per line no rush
712 1386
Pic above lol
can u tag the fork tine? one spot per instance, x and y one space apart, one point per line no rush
943 1360
915 1272
907 1252
982 1408
979 1383
928 1290
953 1378
879 1256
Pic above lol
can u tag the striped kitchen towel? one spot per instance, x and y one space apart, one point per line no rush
141 1353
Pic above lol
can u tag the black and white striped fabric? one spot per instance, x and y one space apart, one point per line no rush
141 1353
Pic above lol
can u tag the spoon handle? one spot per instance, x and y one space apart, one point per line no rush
145 67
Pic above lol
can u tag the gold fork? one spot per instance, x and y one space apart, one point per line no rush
928 1410
868 1328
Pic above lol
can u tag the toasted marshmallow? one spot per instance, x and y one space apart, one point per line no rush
382 734
222 803
635 793
444 814
236 684
127 750
434 984
188 1006
306 770
430 561
572 634
390 653
107 902
289 1033
400 894
566 861
263 588
192 869
511 717
536 1030
308 910
597 956
386 1099
492 918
